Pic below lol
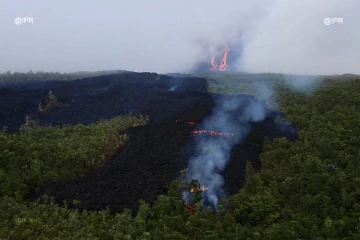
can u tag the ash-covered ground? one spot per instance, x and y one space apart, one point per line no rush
156 153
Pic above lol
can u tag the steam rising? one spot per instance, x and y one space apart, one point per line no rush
213 153
293 38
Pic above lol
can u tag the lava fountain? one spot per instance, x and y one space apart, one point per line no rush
223 64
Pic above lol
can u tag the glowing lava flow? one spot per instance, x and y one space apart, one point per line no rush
201 132
213 60
212 133
207 132
223 64
187 123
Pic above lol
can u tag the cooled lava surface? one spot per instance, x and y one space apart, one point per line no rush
155 153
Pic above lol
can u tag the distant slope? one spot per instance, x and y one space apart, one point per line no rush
19 78
91 99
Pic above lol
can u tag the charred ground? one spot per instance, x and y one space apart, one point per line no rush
155 154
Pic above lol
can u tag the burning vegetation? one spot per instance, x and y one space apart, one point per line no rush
194 192
198 188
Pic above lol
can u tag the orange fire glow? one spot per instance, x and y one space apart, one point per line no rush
213 60
199 132
223 64
212 133
202 188
208 132
187 123
190 208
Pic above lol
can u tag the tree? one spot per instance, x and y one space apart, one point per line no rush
51 105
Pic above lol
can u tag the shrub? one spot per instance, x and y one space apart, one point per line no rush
51 104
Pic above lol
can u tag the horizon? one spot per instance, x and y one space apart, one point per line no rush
265 36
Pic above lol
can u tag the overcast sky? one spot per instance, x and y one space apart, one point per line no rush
169 36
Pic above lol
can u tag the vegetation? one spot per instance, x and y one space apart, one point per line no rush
51 104
39 154
30 77
307 189
29 124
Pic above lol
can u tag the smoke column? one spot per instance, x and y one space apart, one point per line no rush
292 38
212 153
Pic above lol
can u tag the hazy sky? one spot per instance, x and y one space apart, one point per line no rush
169 36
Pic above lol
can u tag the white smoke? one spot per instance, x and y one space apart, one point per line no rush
293 38
213 153
173 88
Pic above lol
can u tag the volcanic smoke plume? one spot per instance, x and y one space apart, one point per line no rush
213 152
223 56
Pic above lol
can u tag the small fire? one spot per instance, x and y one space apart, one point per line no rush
223 64
190 208
212 133
202 188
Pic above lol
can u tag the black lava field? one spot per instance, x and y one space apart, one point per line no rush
155 153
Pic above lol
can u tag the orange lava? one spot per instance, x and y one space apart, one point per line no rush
223 64
212 133
208 132
188 122
215 67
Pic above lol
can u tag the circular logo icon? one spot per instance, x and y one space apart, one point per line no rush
327 21
17 21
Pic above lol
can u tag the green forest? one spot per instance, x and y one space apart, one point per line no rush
39 76
305 189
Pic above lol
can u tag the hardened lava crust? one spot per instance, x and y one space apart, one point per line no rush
155 153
